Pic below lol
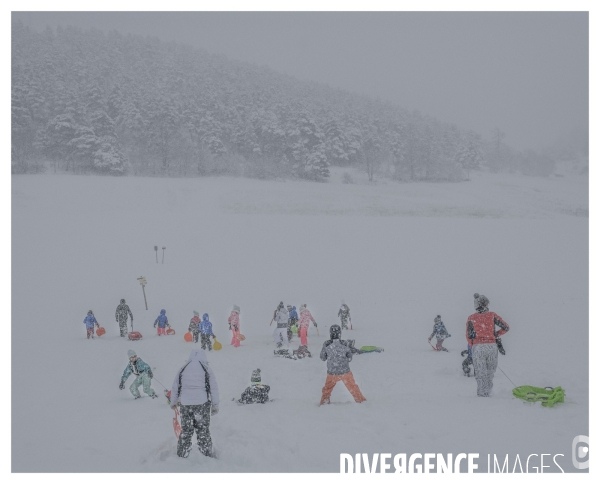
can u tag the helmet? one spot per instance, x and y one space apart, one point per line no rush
335 332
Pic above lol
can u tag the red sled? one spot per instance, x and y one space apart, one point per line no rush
188 337
176 426
134 336
100 331
170 331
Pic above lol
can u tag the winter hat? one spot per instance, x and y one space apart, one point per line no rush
438 319
205 317
280 305
255 379
335 332
90 312
122 301
289 306
303 307
236 309
481 301
196 313
131 353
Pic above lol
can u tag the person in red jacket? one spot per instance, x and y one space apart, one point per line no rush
481 335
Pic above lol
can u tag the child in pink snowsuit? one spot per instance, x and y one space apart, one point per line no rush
234 325
305 319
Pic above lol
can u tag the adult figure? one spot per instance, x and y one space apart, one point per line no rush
481 335
196 391
121 317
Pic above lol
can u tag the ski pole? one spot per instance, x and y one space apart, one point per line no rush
432 345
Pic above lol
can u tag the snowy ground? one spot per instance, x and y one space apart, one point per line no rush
399 254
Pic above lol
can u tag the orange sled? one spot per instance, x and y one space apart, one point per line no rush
241 337
170 331
134 336
188 337
176 426
100 331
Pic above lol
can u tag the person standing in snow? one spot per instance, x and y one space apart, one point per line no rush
338 356
143 376
206 332
234 325
440 332
121 317
280 333
292 319
256 392
344 315
481 334
194 326
89 322
162 321
304 323
195 389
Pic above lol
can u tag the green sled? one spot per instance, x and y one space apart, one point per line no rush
548 396
370 349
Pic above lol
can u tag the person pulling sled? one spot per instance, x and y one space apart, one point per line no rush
483 337
162 322
143 376
206 332
194 326
90 322
121 317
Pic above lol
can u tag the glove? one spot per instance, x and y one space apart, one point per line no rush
449 335
155 325
214 410
214 337
315 324
121 385
150 374
174 406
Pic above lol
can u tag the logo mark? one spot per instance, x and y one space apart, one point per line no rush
581 453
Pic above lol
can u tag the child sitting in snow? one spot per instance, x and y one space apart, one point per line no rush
256 392
440 332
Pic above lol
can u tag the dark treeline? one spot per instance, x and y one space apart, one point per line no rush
108 103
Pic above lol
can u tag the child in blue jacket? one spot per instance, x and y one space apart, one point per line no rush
162 321
206 332
89 322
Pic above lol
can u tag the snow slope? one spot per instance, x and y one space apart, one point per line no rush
399 254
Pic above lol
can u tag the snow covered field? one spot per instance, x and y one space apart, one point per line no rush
399 254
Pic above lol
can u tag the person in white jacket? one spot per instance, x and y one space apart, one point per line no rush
280 334
195 389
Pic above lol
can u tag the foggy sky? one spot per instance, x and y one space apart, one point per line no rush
524 72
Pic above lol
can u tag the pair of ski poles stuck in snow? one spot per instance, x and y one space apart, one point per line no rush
156 251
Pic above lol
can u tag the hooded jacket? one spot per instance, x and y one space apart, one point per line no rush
439 331
194 324
193 389
338 357
162 320
293 314
205 325
89 321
